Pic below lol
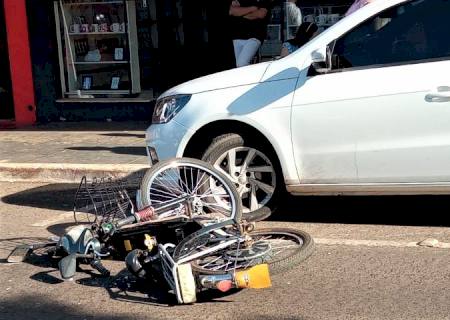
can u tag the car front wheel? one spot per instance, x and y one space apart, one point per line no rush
252 167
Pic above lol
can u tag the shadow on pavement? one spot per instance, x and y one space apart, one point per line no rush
387 210
52 196
61 196
61 228
41 307
31 307
382 210
121 287
126 287
47 277
137 151
120 134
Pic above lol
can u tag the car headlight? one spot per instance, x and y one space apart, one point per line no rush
166 108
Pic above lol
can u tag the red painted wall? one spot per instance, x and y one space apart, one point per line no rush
20 62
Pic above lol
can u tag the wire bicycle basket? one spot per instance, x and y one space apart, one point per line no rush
104 199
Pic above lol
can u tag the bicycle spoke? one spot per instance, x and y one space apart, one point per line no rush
185 178
167 179
212 261
164 193
210 194
197 187
171 187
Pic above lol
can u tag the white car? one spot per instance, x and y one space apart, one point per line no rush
363 108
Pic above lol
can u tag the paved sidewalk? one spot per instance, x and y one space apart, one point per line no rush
64 152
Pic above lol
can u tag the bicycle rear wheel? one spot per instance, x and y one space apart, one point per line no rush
281 248
209 192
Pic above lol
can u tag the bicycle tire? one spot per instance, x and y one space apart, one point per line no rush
275 266
204 167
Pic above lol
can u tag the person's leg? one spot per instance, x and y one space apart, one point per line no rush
248 51
238 46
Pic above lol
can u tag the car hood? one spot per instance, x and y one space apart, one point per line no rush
226 79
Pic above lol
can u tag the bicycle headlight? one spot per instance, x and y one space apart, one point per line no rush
166 108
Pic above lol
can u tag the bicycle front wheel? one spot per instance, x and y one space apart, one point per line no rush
207 190
281 248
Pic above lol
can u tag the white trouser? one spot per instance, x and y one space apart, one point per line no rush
245 50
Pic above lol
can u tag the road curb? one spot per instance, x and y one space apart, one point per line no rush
64 173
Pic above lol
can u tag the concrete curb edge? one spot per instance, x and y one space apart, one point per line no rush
64 173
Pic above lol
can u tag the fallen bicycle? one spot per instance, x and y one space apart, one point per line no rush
187 232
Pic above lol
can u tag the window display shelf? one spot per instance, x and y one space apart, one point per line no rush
103 92
74 4
96 33
94 59
101 62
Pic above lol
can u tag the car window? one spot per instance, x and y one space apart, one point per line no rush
414 31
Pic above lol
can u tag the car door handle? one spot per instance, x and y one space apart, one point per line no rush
441 95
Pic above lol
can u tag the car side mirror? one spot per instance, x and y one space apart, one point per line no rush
318 56
321 60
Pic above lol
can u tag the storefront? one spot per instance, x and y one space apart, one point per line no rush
117 49
109 59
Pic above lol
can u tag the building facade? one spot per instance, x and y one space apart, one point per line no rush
109 59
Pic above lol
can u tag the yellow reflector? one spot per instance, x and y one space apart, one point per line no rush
256 277
127 245
148 242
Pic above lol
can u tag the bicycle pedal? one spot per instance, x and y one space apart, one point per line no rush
19 254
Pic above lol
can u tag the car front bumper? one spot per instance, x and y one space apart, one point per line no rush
164 141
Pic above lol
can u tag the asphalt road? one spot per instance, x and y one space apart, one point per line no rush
364 266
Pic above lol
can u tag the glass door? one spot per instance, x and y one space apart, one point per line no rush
6 98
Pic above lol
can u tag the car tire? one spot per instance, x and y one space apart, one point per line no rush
248 183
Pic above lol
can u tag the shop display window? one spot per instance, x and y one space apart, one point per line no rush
283 22
325 15
98 47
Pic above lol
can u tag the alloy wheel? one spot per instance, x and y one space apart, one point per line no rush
252 173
